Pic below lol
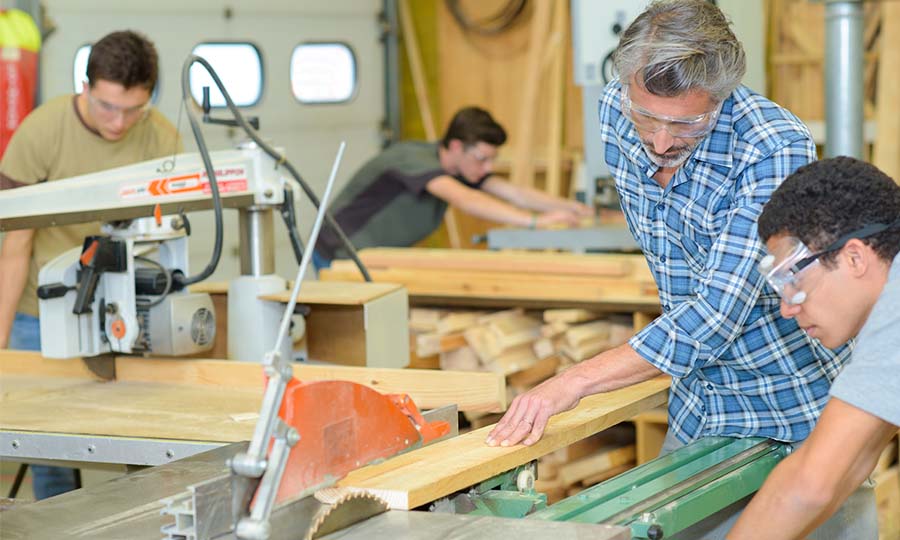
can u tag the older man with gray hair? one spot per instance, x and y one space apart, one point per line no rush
695 156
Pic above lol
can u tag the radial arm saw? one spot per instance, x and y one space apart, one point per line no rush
121 292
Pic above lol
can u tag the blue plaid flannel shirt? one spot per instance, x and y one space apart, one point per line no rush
739 369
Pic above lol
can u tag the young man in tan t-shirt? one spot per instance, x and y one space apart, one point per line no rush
109 124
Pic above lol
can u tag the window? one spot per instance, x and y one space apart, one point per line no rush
79 71
238 65
323 73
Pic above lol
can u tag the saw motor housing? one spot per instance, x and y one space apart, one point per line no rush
116 294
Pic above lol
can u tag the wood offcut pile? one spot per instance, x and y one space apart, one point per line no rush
527 347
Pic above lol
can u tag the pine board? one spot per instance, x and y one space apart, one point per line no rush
617 266
509 286
421 476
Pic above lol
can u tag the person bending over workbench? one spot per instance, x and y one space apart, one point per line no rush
399 197
111 123
833 234
695 156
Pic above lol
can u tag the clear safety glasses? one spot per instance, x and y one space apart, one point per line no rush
790 274
112 111
795 271
682 128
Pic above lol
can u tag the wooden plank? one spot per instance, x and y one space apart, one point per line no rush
337 293
351 293
523 164
542 370
557 82
462 359
586 467
493 261
427 474
650 432
13 362
607 474
434 343
887 140
129 409
570 316
515 359
442 284
457 322
429 389
588 332
641 320
411 44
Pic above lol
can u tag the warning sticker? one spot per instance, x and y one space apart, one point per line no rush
229 181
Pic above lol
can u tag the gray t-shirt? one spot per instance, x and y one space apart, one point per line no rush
386 204
871 379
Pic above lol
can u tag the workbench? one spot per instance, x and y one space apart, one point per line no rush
160 410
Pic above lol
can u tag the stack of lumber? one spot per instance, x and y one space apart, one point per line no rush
525 347
514 341
579 334
588 462
506 278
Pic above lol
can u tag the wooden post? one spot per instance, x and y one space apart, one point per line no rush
418 78
887 142
415 66
522 173
557 98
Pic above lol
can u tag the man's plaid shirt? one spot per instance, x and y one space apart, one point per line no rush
738 368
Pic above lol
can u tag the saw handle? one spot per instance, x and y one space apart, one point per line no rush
100 254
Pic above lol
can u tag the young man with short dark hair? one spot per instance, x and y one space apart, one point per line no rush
832 231
111 123
399 197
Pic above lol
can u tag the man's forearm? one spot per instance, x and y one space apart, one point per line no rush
486 207
15 255
534 199
807 487
610 370
784 508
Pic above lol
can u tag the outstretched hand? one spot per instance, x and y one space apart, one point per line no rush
527 417
553 218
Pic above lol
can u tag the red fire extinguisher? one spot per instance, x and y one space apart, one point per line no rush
20 41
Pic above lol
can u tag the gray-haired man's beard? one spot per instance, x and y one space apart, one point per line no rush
674 157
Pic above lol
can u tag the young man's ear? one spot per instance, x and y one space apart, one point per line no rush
456 146
857 255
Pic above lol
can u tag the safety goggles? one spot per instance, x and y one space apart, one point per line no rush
111 111
690 127
795 272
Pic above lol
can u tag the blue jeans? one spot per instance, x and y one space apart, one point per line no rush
320 262
46 481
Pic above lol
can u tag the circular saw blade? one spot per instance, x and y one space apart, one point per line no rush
347 510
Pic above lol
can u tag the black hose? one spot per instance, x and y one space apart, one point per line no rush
279 159
207 163
289 216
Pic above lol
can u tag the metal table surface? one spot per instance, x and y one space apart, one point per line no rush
129 507
126 507
431 525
